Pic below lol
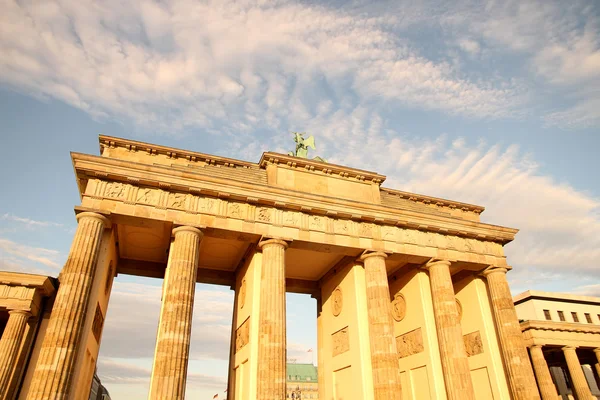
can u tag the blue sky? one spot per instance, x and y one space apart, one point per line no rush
495 103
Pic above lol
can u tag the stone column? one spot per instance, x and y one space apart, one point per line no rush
384 354
597 365
542 373
580 385
271 331
56 362
10 343
512 345
169 370
457 375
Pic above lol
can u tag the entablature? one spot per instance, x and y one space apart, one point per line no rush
179 183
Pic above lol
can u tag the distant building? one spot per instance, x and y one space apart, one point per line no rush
98 391
562 332
302 382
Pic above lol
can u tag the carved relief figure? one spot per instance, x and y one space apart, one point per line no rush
341 342
243 293
235 210
176 200
388 233
365 229
410 343
291 218
206 205
115 190
263 214
242 335
337 302
473 343
399 307
145 195
316 222
340 226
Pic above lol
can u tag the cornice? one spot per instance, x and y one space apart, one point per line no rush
323 167
89 167
419 198
171 152
560 326
42 282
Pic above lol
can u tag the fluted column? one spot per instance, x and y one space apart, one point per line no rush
542 373
597 365
10 343
512 345
56 363
455 365
169 370
580 385
272 339
384 354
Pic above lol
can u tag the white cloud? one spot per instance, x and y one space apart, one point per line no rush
16 256
183 63
28 222
559 225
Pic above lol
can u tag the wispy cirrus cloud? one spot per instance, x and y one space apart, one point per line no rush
28 222
19 257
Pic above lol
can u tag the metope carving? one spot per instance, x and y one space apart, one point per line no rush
340 342
115 190
398 307
243 293
263 214
206 205
242 335
291 218
337 302
146 196
176 200
235 210
98 323
473 343
410 343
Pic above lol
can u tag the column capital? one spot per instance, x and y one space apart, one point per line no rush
372 253
435 261
597 351
536 346
27 313
187 228
565 348
272 242
88 214
493 269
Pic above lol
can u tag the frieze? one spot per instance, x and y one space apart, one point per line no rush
378 230
410 343
242 335
473 343
340 342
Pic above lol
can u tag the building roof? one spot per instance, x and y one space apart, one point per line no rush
552 296
301 372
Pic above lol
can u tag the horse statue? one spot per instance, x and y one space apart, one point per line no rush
302 145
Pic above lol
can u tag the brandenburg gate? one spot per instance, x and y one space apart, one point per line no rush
411 290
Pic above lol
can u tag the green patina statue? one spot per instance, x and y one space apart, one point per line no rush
302 146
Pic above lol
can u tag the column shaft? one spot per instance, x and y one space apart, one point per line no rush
580 385
542 373
457 375
512 345
272 329
52 378
384 354
10 343
597 365
169 371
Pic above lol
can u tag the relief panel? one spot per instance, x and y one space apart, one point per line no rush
410 343
242 335
473 344
340 341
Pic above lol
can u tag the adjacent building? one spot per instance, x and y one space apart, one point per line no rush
302 381
562 332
